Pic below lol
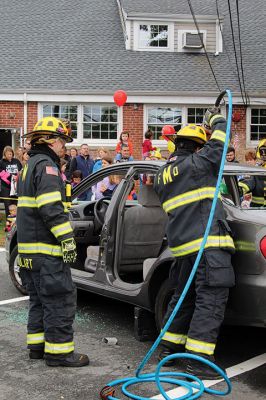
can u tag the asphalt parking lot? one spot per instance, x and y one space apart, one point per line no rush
241 350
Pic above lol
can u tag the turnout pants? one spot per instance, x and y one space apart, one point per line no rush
197 323
52 304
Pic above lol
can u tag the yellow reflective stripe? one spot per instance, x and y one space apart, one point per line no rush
35 338
61 229
245 187
27 201
216 116
42 248
48 198
242 245
258 200
58 348
194 245
174 338
219 135
200 347
189 197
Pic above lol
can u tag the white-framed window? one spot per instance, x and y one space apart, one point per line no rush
100 122
94 124
153 36
158 116
256 124
195 115
67 111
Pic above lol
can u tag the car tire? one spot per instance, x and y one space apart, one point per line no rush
161 303
14 271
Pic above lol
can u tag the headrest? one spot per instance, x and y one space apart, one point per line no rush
147 197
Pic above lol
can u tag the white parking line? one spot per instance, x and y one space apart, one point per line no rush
231 372
16 299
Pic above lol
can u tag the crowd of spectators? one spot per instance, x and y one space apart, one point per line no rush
76 164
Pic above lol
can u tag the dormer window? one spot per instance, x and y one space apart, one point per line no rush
153 36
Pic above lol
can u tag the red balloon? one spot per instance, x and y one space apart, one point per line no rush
168 130
120 97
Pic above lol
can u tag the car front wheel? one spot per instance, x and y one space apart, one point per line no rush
161 303
14 271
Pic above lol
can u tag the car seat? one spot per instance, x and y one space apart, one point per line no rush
143 231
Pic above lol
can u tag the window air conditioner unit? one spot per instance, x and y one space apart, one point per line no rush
192 40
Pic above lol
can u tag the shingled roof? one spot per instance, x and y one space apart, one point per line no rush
66 46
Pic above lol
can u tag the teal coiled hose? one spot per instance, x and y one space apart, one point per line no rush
173 378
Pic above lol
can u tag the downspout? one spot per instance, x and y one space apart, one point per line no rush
25 117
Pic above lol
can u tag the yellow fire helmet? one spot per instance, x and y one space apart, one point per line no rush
156 154
261 150
192 132
50 128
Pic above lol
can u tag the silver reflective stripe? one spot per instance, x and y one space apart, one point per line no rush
189 197
61 229
200 347
26 201
174 338
42 248
59 348
48 198
194 245
35 338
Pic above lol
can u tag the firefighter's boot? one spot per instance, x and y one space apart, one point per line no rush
36 354
69 360
201 370
166 351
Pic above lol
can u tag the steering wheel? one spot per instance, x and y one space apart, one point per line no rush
100 208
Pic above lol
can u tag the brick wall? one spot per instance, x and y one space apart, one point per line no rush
133 123
238 130
12 116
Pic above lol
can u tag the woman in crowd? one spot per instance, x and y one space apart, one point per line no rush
9 169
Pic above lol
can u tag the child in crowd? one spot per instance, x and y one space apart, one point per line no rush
147 146
63 165
11 218
250 157
123 140
76 178
104 185
101 152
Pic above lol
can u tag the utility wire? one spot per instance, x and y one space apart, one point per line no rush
224 45
240 51
202 43
234 46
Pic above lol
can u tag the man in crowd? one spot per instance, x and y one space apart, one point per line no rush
84 163
125 154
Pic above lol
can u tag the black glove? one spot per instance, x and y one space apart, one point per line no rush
210 112
69 250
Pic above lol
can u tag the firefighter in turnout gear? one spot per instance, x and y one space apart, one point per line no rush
186 187
46 248
256 184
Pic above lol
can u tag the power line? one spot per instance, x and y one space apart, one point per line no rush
202 43
240 51
235 53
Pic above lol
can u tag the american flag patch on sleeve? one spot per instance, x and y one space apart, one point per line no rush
52 171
